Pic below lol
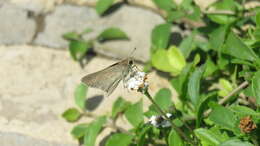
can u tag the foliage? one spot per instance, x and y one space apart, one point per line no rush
215 70
78 46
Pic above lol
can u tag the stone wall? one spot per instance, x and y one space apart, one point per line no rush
42 23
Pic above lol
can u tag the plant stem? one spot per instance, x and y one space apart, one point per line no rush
177 129
222 101
241 86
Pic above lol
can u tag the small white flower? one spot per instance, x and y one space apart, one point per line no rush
136 80
153 121
169 115
160 121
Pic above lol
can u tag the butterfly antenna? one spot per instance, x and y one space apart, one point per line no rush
132 52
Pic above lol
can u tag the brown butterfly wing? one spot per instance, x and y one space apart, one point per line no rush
108 78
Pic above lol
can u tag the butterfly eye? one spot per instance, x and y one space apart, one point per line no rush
131 62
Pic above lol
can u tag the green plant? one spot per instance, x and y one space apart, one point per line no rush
78 46
217 79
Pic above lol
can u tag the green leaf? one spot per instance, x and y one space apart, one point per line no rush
196 13
141 133
188 44
229 5
204 45
71 115
174 15
176 59
235 142
186 5
160 61
160 36
134 113
151 112
257 19
222 61
119 139
256 33
80 96
119 105
244 62
194 85
93 130
221 19
180 82
164 98
103 5
256 87
219 133
217 37
196 60
248 91
235 47
174 139
211 67
219 113
165 4
71 36
207 137
78 48
202 106
243 110
226 5
147 67
225 87
79 130
112 34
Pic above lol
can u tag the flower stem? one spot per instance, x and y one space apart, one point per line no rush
177 129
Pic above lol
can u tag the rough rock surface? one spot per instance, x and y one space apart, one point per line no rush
136 22
65 18
14 139
15 27
37 87
43 22
37 6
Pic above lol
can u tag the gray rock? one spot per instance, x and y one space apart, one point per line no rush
136 22
15 139
30 5
15 26
36 6
64 19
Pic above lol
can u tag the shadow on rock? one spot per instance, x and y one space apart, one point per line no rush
83 61
93 102
104 140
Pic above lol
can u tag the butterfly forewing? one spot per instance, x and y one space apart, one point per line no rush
108 78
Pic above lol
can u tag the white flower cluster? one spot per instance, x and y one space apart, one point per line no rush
136 80
160 121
